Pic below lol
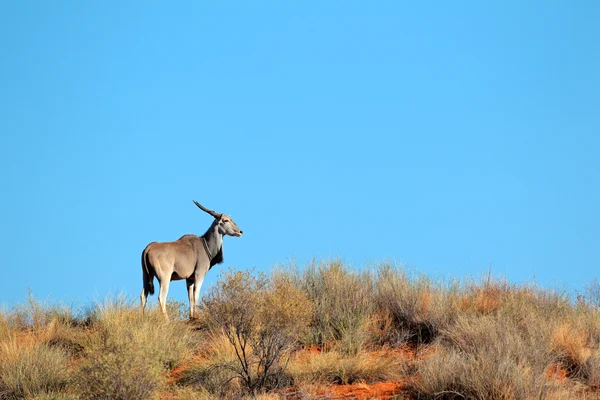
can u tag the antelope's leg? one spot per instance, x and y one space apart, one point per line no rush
162 296
143 298
190 288
197 286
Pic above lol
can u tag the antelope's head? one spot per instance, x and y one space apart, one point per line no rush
224 222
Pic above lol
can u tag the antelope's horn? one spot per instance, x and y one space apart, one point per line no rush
211 212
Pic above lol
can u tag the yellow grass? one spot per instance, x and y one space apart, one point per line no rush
335 368
491 339
572 342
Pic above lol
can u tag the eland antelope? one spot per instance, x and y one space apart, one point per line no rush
190 257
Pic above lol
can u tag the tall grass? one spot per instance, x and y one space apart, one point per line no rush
129 353
342 302
576 345
487 357
31 370
416 307
503 344
217 370
325 324
37 342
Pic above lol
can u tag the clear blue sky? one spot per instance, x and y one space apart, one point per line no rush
447 136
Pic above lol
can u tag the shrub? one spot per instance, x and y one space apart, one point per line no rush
261 320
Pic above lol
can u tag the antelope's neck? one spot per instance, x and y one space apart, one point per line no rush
214 240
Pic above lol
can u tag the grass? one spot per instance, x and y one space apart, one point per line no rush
576 346
31 370
300 331
417 308
342 303
502 344
487 357
338 368
129 353
216 369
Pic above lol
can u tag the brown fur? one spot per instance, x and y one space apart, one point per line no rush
186 258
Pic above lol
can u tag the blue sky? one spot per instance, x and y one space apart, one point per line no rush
447 136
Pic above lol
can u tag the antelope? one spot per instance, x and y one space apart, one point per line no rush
190 257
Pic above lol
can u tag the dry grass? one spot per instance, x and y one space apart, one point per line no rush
576 346
336 368
37 343
490 339
417 309
120 321
128 354
484 298
451 374
573 343
31 370
502 344
215 370
342 301
5 330
485 357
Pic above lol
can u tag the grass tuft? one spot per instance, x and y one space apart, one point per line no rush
418 309
342 302
31 370
336 368
129 353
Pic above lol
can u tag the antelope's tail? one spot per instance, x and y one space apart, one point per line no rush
147 277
